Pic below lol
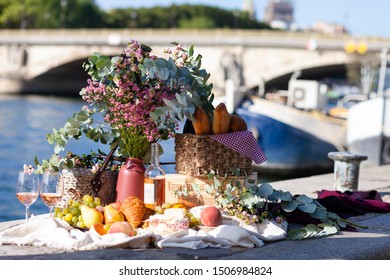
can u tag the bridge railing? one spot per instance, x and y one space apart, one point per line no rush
249 38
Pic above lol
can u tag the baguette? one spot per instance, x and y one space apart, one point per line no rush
237 123
221 120
201 124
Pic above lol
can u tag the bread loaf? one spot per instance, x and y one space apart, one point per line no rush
237 123
201 124
221 120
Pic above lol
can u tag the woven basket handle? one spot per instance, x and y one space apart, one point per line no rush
96 183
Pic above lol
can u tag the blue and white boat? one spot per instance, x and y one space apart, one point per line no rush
295 142
297 128
296 135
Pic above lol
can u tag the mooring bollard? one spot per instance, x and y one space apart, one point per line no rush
346 170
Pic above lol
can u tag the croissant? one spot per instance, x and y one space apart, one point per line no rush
134 210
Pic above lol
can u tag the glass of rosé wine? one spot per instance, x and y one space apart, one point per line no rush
27 188
52 189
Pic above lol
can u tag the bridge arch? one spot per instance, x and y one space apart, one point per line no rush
271 65
260 57
325 72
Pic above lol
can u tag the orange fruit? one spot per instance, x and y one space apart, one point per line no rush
99 228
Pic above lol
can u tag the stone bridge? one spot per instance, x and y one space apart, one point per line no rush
49 61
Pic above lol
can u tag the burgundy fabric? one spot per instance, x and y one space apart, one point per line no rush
353 203
345 205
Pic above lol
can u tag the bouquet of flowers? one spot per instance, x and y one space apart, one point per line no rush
140 98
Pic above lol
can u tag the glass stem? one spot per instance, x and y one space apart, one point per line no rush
27 214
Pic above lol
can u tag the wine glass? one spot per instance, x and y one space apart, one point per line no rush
27 188
52 189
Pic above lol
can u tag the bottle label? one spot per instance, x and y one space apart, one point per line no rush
149 193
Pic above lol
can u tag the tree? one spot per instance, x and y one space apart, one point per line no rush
181 16
50 14
86 14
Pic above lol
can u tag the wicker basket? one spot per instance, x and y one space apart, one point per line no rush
197 155
78 181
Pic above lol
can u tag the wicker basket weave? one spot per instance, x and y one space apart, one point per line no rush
77 181
197 155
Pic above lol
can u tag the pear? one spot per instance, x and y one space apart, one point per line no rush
91 216
111 215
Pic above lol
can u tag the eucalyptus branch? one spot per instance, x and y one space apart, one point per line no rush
253 204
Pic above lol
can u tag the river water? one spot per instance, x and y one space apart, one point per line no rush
24 123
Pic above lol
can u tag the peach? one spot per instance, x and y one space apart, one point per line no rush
123 227
99 228
211 216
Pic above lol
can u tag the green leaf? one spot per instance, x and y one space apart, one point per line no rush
196 188
319 214
308 208
94 58
73 131
58 149
248 199
70 164
285 196
81 116
163 74
296 234
209 188
311 230
148 63
330 229
304 199
265 190
146 48
289 206
341 223
274 196
217 183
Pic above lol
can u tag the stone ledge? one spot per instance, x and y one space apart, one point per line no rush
367 244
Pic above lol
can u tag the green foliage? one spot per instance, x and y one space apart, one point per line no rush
260 202
201 22
50 14
101 67
193 80
81 123
182 16
91 160
87 14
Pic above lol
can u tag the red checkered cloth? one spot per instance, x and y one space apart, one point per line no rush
242 142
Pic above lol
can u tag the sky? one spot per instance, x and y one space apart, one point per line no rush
361 17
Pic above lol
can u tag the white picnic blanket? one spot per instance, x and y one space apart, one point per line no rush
44 231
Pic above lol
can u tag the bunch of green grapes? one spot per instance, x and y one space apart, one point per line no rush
72 214
194 221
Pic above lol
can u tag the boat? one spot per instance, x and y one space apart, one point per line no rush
369 130
369 121
295 142
296 129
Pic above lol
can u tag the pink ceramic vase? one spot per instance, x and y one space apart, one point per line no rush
131 179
